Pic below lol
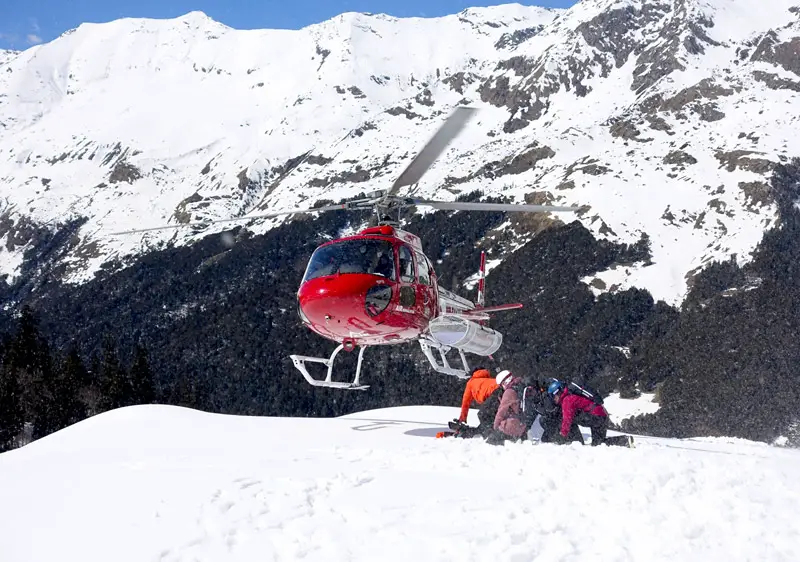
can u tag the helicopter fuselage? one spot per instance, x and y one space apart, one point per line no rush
374 288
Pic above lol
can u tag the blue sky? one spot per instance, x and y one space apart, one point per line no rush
27 22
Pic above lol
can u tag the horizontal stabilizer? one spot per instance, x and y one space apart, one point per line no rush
475 315
499 307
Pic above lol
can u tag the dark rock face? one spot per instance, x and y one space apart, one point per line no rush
758 193
403 111
660 34
587 166
357 175
43 263
775 82
624 129
368 126
786 54
356 91
182 213
323 54
528 159
697 99
514 164
612 31
459 80
679 158
680 33
126 172
20 232
516 38
425 97
318 160
740 159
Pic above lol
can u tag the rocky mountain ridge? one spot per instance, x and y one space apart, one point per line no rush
661 119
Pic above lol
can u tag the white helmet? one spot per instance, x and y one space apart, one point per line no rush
502 376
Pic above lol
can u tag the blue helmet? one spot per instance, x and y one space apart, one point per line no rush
555 387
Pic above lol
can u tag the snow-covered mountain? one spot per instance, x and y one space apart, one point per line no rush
173 484
6 56
660 118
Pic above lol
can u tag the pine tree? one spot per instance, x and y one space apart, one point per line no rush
117 389
793 433
11 414
67 387
142 385
29 361
190 392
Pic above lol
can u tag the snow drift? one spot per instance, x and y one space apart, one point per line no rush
171 484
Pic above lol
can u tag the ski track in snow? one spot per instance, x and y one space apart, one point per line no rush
173 485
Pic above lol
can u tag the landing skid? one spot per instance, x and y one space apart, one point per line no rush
444 367
440 365
300 363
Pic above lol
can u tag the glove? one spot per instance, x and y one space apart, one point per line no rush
455 425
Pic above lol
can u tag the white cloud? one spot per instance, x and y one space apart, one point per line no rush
8 40
33 39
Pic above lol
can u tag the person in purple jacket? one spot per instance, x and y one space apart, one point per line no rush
508 424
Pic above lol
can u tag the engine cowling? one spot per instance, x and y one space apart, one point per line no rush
466 335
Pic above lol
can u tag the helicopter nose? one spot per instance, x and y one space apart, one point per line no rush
336 305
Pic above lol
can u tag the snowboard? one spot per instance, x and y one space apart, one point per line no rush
620 441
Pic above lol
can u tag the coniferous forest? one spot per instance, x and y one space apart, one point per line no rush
211 326
43 390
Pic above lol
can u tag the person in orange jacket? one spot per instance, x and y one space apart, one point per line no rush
484 390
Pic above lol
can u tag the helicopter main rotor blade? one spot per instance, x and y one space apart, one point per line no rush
464 206
339 207
431 151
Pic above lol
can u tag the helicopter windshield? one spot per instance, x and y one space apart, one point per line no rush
374 257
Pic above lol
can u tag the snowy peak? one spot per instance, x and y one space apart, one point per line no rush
597 38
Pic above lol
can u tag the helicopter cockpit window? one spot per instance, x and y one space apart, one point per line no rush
422 268
374 257
406 265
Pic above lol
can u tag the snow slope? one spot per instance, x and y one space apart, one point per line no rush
662 118
153 483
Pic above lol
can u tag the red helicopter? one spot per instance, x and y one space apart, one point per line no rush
378 287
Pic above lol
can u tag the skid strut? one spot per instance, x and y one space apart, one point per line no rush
444 367
300 363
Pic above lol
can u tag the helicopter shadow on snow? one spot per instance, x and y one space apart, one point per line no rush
432 428
377 424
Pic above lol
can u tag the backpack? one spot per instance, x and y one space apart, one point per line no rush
586 391
530 400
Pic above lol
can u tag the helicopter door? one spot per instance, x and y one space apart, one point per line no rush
425 289
408 297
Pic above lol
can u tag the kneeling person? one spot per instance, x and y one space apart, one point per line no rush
579 410
550 419
484 390
508 423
